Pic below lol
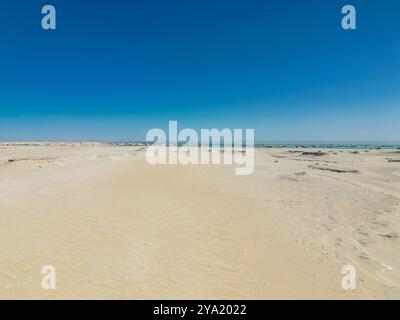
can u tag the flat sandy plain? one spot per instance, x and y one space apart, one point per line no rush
115 227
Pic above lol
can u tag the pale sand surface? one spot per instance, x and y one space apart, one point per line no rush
115 227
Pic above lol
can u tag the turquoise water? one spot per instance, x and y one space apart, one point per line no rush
353 145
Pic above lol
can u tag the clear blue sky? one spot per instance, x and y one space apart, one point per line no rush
114 69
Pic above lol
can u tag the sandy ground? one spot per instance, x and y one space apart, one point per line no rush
115 227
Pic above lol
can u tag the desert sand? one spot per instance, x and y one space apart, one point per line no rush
115 227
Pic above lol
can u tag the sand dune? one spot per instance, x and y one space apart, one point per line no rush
115 227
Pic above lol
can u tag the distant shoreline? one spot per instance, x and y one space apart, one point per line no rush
384 145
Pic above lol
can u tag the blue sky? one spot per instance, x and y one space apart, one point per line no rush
114 69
